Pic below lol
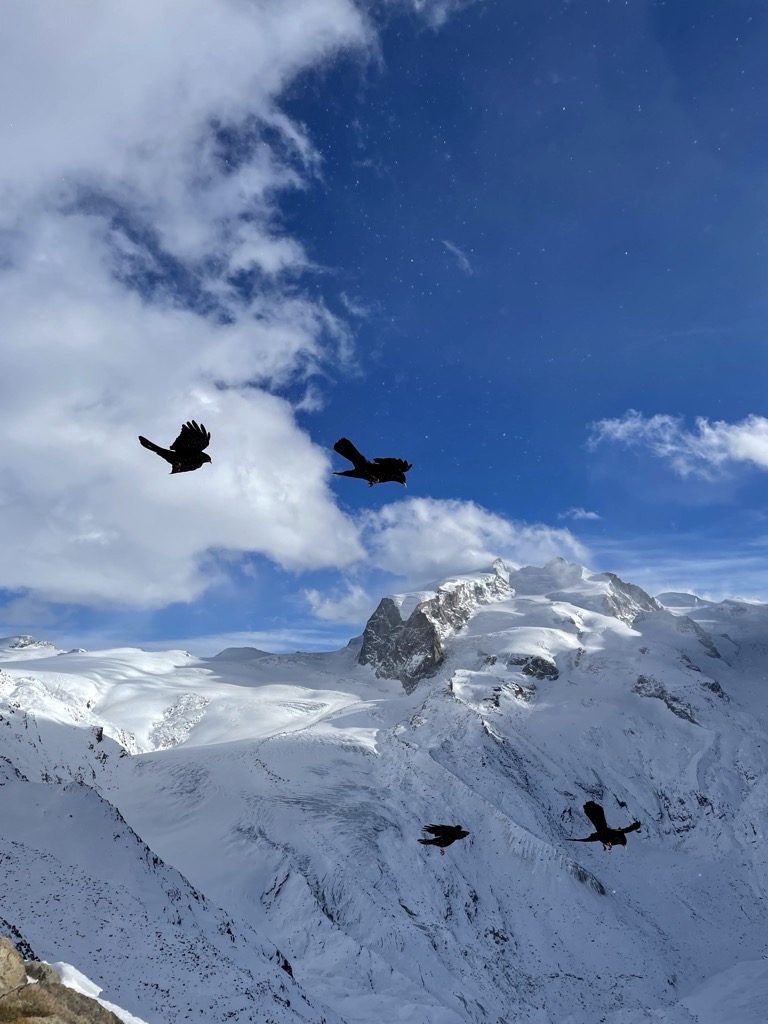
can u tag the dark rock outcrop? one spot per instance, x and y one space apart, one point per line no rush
10 931
44 998
647 686
407 651
717 689
533 665
411 650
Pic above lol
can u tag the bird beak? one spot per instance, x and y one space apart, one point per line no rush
404 484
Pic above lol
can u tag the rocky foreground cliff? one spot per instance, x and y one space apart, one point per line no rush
31 991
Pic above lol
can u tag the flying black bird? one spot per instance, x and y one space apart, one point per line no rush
607 836
188 450
444 835
380 471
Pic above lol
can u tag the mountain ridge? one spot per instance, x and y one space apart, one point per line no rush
293 788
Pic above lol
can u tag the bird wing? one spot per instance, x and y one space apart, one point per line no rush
443 830
394 465
630 828
347 450
192 438
596 815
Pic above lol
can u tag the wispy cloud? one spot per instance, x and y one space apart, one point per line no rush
277 641
578 513
704 451
437 12
698 564
354 307
461 257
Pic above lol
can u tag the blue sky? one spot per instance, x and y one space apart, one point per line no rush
523 245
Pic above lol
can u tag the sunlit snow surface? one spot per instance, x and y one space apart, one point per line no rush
291 790
74 979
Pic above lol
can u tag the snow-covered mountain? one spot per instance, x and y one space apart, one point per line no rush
278 800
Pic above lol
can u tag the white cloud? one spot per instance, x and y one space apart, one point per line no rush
702 452
578 513
423 539
124 215
418 541
352 604
122 223
461 257
696 564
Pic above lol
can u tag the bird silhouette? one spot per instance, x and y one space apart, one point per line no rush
380 471
609 837
187 451
444 835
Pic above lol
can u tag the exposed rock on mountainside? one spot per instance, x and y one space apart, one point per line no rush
533 665
646 686
23 643
11 932
626 600
43 997
407 651
412 649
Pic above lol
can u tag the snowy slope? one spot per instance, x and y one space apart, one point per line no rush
76 878
76 980
291 790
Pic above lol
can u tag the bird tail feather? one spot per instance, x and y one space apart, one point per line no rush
162 452
149 444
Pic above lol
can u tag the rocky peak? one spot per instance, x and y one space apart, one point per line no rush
625 601
411 648
25 643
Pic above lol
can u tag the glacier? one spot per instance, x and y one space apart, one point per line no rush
234 837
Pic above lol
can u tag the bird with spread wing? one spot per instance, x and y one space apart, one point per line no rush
609 837
380 471
444 835
188 450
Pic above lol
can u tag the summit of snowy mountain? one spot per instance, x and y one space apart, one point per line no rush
240 654
25 646
291 791
405 637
